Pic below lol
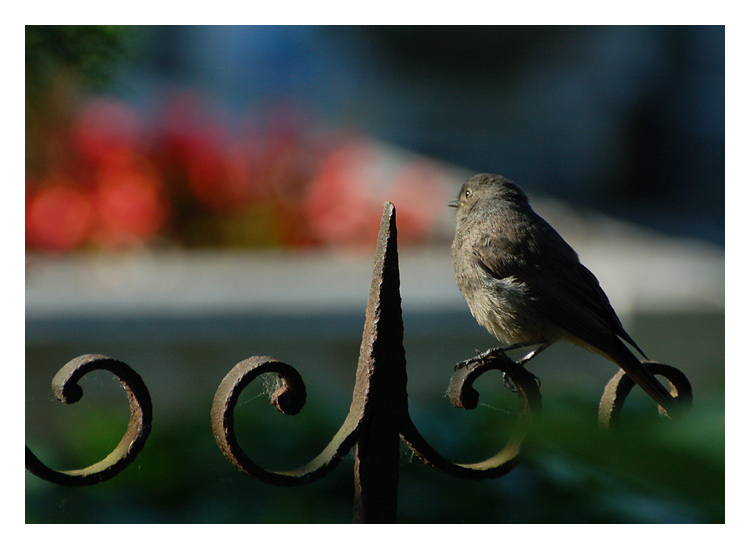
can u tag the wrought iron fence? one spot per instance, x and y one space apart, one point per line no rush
378 418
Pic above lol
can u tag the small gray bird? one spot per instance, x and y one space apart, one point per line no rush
526 285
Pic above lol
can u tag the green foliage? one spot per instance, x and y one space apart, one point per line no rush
90 53
651 470
63 61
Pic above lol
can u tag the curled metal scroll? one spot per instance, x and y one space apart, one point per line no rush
289 398
621 384
378 416
66 388
463 395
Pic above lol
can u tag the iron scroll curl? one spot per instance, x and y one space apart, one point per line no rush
66 388
619 387
379 409
463 395
289 398
378 419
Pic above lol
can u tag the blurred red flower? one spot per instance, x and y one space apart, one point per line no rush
341 209
185 130
224 181
59 216
105 130
112 179
129 206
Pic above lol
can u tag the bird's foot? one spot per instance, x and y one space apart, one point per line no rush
526 358
512 386
508 383
486 356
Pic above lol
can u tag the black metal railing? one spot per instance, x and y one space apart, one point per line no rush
378 418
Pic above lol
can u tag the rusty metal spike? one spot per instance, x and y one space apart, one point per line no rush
380 387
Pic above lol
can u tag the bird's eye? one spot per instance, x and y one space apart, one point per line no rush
467 193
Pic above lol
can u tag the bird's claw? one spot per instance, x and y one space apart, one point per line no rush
508 383
481 358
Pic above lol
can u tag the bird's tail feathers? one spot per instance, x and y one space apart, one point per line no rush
641 376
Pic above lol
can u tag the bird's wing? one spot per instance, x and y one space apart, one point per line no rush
564 290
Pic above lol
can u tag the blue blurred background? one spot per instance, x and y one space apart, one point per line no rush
627 119
197 195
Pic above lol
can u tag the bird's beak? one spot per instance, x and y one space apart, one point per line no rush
453 204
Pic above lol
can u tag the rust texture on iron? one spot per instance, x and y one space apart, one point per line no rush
66 388
378 404
378 417
621 384
380 388
289 399
463 395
